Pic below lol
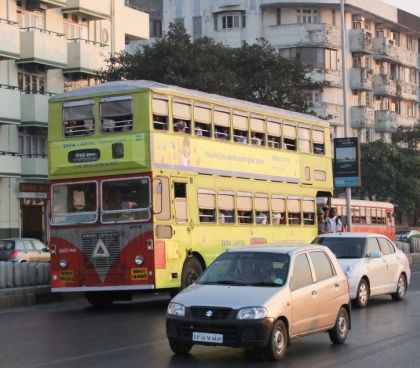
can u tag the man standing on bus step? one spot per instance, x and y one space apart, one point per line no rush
333 223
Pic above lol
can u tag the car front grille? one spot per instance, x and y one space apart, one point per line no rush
210 313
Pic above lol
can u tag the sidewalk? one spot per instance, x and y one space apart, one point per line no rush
30 295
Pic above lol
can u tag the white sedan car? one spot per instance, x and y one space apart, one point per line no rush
260 298
372 264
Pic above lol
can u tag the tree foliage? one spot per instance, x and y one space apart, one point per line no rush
251 72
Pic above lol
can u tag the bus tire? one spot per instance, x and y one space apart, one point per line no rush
99 298
191 271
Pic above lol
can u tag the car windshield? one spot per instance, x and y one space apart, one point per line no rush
344 247
247 268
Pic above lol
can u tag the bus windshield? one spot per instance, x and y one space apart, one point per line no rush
125 200
74 203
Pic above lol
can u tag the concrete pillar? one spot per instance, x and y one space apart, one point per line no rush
17 271
9 274
2 275
32 274
24 268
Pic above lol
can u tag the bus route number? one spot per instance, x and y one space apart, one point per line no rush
139 274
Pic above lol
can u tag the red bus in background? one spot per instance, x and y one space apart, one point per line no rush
366 216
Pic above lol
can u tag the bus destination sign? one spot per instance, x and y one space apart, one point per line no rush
84 155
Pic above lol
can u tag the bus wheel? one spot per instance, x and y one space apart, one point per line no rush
191 271
99 298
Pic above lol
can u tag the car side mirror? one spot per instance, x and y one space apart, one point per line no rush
375 254
45 249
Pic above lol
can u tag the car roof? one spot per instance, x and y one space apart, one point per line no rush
280 248
351 235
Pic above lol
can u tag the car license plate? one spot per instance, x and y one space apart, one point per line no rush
207 337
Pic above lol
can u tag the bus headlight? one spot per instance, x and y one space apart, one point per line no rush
63 263
138 260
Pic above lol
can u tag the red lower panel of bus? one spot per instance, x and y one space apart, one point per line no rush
104 265
384 230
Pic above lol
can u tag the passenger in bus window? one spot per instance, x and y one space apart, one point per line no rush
276 218
222 133
180 126
240 136
256 140
261 218
321 222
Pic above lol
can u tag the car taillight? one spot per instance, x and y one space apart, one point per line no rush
14 254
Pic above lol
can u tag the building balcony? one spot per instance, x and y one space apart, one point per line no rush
303 35
361 79
360 41
383 85
329 111
406 122
35 166
43 47
134 23
48 3
385 121
10 164
34 110
10 45
92 10
84 56
406 90
385 49
362 117
331 77
9 105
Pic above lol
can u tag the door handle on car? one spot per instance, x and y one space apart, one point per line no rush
337 285
314 292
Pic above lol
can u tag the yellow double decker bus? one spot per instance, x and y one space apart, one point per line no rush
150 182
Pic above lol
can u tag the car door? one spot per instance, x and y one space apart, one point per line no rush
30 254
376 268
304 297
393 263
330 288
41 251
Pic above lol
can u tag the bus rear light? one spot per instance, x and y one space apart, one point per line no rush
149 244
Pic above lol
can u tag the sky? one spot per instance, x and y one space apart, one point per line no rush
411 6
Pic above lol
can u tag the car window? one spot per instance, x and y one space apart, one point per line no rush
301 273
322 265
372 245
6 245
38 244
19 245
386 248
28 245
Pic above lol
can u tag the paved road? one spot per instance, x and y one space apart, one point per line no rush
72 334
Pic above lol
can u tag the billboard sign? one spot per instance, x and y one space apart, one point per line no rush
346 162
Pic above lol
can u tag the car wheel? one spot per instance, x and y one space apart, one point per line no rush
99 298
362 296
339 332
401 289
277 344
191 271
179 348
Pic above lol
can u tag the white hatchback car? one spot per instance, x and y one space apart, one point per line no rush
261 298
372 264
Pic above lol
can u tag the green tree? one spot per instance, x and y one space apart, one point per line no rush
251 72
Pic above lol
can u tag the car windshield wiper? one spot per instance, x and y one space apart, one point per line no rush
229 282
263 283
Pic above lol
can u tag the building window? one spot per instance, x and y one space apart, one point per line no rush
197 8
75 27
230 21
155 28
197 28
33 83
178 9
307 15
312 98
331 59
278 15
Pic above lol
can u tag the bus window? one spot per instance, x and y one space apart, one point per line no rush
304 139
222 124
74 203
161 198
181 112
160 112
240 127
78 118
318 146
202 120
244 207
273 134
289 137
278 209
206 205
257 131
226 207
116 114
180 200
293 210
308 204
262 209
126 200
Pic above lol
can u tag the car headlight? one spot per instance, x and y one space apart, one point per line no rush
347 270
175 309
252 313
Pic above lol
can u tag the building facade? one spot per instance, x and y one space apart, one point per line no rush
381 48
47 47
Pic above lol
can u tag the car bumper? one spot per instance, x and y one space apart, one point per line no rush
236 333
353 286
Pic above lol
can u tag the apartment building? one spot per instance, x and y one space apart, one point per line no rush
381 48
47 47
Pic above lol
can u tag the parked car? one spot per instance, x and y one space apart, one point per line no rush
23 250
261 298
405 235
372 264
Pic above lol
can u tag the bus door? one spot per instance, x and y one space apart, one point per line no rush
181 214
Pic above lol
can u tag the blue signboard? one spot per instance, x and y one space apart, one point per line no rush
346 162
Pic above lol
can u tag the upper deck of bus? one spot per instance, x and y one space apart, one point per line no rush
101 150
